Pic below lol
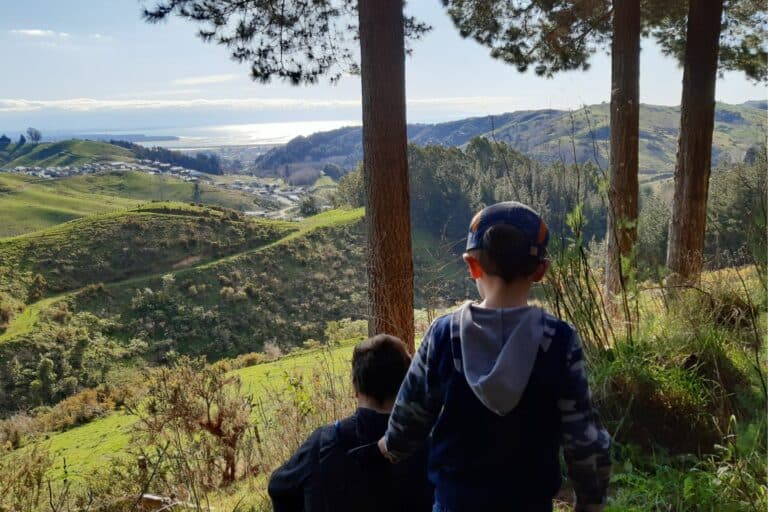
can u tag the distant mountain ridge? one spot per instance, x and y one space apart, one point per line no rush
546 135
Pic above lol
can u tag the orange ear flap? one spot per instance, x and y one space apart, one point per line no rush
475 270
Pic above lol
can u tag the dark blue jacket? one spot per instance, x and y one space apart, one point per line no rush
339 468
480 460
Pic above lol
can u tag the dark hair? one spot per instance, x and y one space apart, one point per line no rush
379 365
506 253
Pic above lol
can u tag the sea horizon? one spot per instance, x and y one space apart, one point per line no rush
208 136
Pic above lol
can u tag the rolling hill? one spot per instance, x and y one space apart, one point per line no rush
169 278
115 246
67 152
29 204
545 135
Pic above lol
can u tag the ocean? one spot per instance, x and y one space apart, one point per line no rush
201 137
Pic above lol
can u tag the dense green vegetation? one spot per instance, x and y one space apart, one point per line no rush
143 242
546 135
682 397
449 184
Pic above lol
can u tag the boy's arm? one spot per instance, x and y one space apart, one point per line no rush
586 444
417 406
286 486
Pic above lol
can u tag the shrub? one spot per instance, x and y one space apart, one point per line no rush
24 477
201 415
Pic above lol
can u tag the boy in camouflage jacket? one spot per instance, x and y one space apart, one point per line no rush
501 386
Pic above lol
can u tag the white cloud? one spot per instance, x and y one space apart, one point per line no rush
150 94
207 79
90 104
39 33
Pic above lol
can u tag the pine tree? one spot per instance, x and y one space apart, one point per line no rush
303 40
625 132
707 36
34 135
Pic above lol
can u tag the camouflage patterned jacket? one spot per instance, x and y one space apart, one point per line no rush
478 452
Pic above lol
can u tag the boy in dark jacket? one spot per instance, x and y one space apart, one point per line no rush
339 467
501 386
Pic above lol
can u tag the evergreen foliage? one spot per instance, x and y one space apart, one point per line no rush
551 36
34 135
294 40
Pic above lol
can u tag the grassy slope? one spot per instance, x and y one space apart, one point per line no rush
92 445
138 185
68 152
547 135
294 253
737 129
29 204
115 246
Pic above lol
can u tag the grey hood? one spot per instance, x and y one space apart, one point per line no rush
499 348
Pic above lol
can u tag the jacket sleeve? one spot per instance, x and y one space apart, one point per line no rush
586 444
417 405
287 483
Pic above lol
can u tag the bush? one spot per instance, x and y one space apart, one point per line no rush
192 409
24 477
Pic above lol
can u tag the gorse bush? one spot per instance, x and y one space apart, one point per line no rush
201 418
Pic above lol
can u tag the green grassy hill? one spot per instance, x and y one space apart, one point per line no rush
104 248
146 187
545 135
89 447
30 204
158 280
68 152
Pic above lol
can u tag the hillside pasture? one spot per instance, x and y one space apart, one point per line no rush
30 204
65 153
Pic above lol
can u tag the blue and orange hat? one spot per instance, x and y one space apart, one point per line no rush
514 214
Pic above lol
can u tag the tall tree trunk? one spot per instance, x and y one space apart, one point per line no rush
385 169
625 125
694 155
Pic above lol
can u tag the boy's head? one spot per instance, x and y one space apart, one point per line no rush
507 241
379 365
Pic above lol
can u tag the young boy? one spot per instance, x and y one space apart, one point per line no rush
501 386
339 467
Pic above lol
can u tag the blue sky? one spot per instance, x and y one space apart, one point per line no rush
95 65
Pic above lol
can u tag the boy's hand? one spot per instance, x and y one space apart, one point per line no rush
383 449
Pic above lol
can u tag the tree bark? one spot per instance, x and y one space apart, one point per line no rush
625 125
385 169
694 156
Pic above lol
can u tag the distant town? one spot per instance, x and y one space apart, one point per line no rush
283 196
